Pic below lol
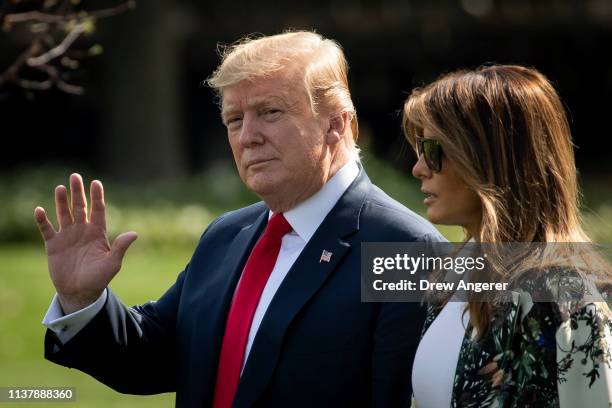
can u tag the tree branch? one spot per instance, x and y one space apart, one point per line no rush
43 50
10 74
53 79
41 17
60 49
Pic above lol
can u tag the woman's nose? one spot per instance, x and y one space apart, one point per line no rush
420 169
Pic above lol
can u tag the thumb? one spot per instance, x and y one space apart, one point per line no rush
121 244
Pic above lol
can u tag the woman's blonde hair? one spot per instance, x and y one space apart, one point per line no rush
504 129
319 61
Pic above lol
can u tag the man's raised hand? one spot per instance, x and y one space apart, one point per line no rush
81 260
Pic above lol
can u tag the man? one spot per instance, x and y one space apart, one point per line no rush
268 311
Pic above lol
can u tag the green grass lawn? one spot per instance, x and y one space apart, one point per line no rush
25 292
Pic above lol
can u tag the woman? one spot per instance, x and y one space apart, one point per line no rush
495 157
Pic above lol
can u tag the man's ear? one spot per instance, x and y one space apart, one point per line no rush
337 128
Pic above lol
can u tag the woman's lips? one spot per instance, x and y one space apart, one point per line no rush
429 197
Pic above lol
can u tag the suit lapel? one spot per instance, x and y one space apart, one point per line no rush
236 257
213 308
303 280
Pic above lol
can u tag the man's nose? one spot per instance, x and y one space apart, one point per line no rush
420 169
251 132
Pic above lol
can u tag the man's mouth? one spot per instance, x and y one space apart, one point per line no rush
257 162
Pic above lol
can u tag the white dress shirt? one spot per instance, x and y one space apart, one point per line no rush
305 219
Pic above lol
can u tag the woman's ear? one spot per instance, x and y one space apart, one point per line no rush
337 128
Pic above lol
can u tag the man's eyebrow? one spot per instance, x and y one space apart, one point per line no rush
257 102
228 111
272 98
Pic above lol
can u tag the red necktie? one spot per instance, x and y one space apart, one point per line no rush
251 285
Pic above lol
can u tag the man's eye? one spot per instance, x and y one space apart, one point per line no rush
233 121
272 113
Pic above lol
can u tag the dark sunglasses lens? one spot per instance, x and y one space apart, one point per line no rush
432 152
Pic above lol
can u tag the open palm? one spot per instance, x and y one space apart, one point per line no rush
81 260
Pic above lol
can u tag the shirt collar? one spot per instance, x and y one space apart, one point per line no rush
306 217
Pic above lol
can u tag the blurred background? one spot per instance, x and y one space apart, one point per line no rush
124 103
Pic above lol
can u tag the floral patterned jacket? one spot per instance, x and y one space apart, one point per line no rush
544 355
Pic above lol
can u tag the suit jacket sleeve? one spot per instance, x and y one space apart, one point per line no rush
132 350
396 340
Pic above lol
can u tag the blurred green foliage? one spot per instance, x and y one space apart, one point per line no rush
597 207
178 210
175 211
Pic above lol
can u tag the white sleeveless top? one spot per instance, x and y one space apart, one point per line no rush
433 372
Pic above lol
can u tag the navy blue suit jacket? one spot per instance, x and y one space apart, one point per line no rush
318 344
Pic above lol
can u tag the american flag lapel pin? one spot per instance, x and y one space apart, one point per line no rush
325 256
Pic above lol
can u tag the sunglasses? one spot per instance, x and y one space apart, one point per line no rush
431 150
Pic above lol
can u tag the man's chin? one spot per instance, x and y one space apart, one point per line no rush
264 188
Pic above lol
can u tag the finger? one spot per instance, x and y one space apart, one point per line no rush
79 201
121 244
64 218
96 194
44 225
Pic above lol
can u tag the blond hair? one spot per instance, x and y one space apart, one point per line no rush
319 61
